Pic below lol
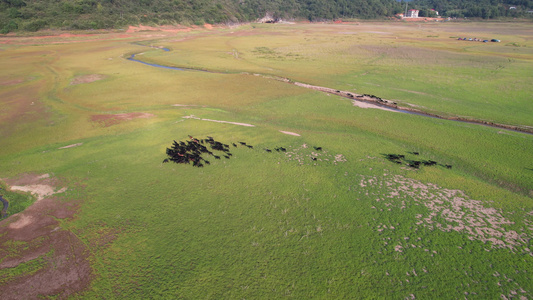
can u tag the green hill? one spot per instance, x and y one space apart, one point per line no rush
32 15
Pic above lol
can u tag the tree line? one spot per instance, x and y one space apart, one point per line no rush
32 15
485 9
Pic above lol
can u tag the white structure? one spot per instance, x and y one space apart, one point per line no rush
412 13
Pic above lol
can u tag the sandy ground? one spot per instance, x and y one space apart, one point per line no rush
368 105
35 236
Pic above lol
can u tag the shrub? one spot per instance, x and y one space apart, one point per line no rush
10 26
35 25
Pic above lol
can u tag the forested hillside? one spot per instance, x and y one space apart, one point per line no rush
32 15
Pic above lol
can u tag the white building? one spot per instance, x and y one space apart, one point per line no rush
412 13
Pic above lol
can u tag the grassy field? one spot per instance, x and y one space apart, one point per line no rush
341 222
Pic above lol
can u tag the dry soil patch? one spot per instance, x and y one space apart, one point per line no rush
63 258
87 78
113 119
10 81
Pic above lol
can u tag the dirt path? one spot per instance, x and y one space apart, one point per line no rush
218 121
58 260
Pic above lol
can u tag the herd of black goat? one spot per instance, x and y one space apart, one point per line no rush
193 149
400 159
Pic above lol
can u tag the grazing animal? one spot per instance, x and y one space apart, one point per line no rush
268 150
393 156
313 158
416 153
429 163
242 143
191 150
318 148
448 166
250 146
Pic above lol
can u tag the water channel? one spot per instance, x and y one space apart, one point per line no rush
3 213
383 104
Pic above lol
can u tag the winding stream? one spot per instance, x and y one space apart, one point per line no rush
378 102
3 213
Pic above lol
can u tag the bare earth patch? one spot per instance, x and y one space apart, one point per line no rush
87 78
449 210
41 191
113 119
368 105
289 133
185 105
61 259
218 121
71 146
171 29
10 81
403 203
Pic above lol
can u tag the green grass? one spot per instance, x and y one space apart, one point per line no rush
266 225
17 201
453 77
